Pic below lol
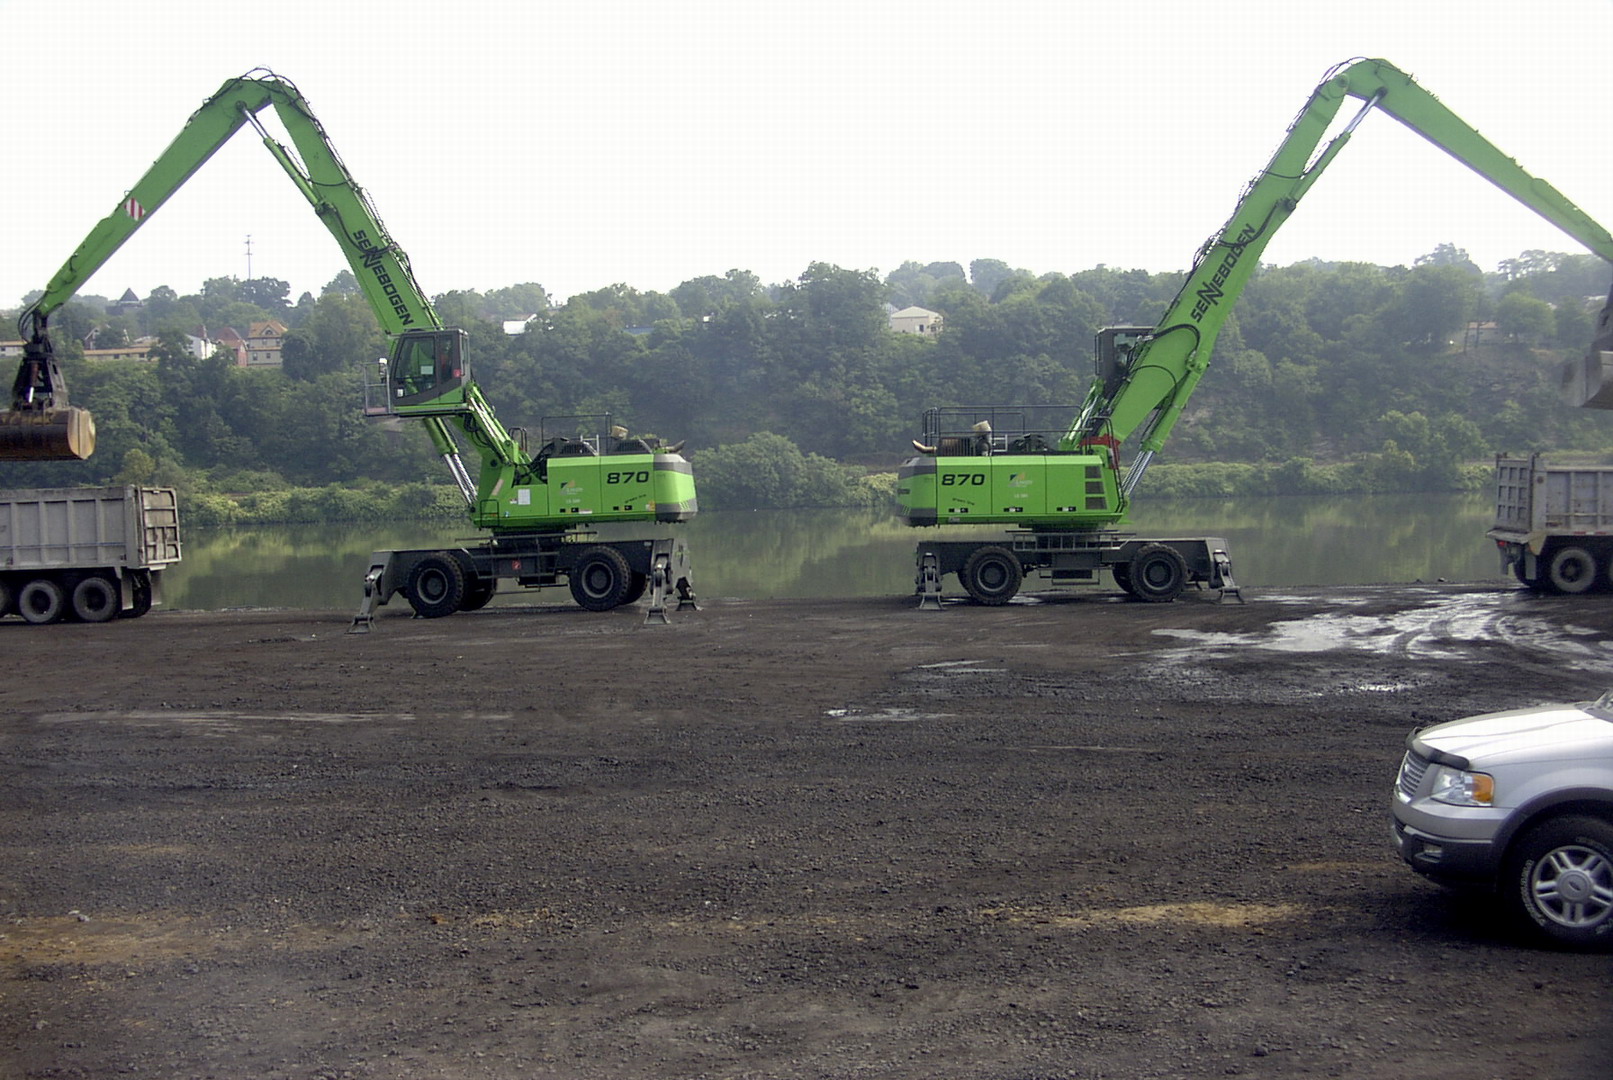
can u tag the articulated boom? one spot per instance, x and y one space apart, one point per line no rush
381 268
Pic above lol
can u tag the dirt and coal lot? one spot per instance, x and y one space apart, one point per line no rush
1069 837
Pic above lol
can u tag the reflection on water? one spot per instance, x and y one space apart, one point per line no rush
837 553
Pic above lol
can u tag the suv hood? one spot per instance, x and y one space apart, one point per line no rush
1541 733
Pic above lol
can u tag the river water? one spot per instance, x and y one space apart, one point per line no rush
1277 541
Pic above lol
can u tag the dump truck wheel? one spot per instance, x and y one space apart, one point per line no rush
1571 570
96 599
42 601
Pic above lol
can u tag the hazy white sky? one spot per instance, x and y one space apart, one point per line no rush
577 144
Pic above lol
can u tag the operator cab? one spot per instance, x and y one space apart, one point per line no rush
1112 352
426 369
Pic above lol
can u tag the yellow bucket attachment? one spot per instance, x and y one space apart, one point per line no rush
46 435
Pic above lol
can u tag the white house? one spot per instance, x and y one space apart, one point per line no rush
916 320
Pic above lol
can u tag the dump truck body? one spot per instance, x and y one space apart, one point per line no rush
1554 524
91 554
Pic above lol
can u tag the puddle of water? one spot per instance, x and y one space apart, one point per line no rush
959 667
855 715
1445 629
1321 633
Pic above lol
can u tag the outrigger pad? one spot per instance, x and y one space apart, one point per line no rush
46 435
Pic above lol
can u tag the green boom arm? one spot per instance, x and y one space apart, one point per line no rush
1157 381
380 266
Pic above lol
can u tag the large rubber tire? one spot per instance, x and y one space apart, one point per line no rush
992 575
1158 574
140 589
1571 571
436 586
600 579
1122 575
478 593
96 599
8 602
1558 882
42 601
635 588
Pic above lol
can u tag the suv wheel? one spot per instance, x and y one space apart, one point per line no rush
1559 881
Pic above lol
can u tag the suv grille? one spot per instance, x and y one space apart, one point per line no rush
1412 768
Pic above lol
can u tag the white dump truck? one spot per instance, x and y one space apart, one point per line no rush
1554 524
88 554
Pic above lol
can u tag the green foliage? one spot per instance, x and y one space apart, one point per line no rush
338 333
1388 471
768 471
331 503
138 467
515 302
912 284
1523 318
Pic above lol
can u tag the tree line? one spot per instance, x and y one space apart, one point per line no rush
1326 375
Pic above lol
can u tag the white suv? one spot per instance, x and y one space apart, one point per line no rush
1521 801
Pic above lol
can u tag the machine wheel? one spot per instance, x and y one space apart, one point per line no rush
140 588
1122 575
1158 573
1558 882
436 586
41 601
478 594
1571 570
635 588
992 575
7 601
96 599
601 579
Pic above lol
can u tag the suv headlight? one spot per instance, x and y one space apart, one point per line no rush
1460 788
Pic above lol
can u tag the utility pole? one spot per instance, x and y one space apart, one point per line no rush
249 256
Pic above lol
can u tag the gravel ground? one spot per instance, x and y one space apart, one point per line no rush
1069 837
